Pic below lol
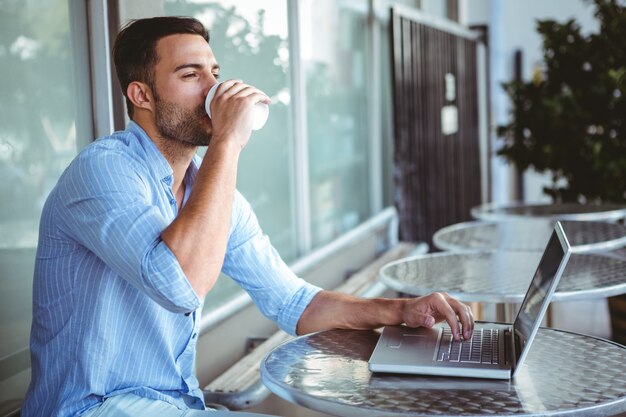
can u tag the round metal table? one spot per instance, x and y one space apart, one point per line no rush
565 374
564 211
529 235
502 276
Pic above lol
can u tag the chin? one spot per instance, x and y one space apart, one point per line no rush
205 139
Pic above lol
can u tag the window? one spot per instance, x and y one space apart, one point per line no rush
250 43
308 184
333 52
43 96
249 40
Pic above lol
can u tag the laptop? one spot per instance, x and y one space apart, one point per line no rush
495 351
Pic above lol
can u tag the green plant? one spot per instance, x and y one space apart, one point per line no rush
570 120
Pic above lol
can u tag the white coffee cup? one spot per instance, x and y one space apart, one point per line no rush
261 110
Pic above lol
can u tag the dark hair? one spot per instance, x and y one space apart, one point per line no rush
134 51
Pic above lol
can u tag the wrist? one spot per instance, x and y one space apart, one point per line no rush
222 145
394 311
379 312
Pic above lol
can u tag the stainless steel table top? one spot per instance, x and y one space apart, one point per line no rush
565 374
504 277
564 211
529 235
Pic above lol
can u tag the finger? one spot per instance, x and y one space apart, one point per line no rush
470 315
225 85
465 316
450 316
468 327
225 90
253 93
230 88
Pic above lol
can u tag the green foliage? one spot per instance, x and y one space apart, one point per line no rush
570 119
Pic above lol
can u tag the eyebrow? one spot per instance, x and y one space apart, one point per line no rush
196 66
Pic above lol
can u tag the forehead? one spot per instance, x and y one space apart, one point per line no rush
181 49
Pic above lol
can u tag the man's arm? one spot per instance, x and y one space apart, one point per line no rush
332 310
199 234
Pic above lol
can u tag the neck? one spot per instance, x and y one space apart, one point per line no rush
177 153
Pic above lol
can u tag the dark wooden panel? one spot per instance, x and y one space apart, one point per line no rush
437 176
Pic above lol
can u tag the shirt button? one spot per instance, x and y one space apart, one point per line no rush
172 201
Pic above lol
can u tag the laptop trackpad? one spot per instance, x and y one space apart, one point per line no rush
408 339
412 340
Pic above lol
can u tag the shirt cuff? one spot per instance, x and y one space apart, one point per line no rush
290 314
166 283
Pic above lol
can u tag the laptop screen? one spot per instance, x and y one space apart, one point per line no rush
542 285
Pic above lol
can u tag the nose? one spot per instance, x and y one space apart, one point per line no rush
211 81
207 88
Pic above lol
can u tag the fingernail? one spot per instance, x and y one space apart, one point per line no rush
429 321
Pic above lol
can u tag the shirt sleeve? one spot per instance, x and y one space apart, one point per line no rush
255 265
106 205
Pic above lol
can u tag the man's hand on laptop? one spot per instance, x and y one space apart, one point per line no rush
433 308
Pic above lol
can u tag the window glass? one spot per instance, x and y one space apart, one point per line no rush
42 95
333 51
437 8
249 40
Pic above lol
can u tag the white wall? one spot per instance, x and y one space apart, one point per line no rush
512 26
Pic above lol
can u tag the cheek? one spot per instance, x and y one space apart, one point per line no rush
187 95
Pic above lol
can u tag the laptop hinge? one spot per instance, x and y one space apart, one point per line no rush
517 349
509 348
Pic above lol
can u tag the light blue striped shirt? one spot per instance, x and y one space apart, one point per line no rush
112 309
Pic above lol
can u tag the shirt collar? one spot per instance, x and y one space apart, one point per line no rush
159 165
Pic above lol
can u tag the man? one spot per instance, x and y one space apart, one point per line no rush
137 230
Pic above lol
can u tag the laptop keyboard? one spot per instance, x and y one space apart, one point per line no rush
481 348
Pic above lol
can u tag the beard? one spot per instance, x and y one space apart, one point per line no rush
181 125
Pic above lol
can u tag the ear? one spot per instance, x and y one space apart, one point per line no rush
140 95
